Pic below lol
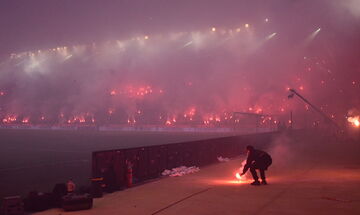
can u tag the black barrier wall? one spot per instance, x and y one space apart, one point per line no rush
149 162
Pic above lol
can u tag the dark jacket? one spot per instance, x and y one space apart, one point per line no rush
259 159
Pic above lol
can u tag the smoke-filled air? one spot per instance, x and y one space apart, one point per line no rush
196 69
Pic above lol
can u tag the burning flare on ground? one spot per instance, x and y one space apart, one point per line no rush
229 180
238 176
241 179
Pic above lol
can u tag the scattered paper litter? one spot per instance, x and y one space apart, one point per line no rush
221 159
180 171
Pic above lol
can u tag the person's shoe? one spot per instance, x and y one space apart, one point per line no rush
263 182
255 183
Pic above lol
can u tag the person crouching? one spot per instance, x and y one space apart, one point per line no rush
257 159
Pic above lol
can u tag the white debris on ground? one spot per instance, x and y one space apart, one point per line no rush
221 159
180 171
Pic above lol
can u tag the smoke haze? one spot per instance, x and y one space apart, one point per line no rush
176 62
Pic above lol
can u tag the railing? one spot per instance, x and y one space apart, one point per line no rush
149 162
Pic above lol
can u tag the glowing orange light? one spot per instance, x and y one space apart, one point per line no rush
355 121
113 93
213 29
131 121
10 119
229 182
